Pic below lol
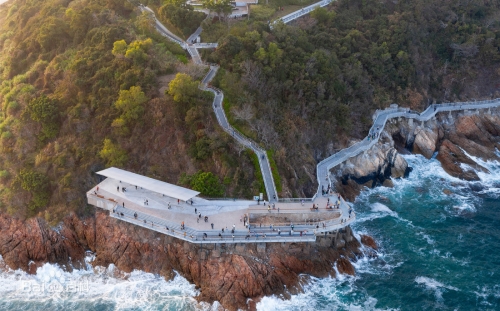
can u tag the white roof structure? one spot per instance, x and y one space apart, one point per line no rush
158 186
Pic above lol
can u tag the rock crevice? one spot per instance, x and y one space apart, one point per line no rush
456 140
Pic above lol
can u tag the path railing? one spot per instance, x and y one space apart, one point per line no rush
380 119
304 11
192 49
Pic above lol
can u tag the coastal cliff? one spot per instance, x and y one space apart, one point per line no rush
458 138
236 275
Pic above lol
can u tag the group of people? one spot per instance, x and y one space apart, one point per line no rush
327 190
372 136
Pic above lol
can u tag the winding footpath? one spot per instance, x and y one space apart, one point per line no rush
299 13
322 169
380 119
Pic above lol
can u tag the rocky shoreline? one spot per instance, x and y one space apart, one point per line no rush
454 136
236 275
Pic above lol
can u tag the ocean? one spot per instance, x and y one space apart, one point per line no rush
439 240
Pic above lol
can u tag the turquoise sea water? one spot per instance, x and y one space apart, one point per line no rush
439 243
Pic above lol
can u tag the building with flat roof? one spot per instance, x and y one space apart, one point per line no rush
151 184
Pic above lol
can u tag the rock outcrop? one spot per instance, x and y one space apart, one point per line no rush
372 168
457 138
232 274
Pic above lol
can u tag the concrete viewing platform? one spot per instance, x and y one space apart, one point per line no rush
200 220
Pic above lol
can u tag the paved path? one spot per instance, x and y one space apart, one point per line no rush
380 119
154 216
272 194
165 215
299 13
192 38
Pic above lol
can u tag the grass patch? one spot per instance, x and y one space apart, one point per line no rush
213 30
238 125
261 12
274 170
259 180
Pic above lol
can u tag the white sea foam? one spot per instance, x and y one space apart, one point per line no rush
339 295
54 288
434 286
427 238
381 208
464 207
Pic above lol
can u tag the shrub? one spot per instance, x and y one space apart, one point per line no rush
207 183
113 154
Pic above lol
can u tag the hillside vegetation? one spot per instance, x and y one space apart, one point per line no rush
306 89
79 89
82 88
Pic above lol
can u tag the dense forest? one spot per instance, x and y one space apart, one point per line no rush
82 88
88 84
307 89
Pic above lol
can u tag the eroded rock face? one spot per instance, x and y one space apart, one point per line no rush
369 241
456 139
228 273
425 141
372 168
456 163
22 242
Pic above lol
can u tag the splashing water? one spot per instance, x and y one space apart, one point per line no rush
438 238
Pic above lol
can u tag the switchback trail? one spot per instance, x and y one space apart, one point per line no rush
322 169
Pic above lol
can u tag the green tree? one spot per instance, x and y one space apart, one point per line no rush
37 185
45 111
207 183
119 48
131 104
221 7
322 15
113 154
182 87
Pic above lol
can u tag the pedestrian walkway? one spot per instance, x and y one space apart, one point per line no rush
221 213
380 119
299 13
212 221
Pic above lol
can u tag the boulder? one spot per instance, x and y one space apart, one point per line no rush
368 241
456 163
425 141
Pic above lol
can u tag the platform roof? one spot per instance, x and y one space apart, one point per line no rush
158 186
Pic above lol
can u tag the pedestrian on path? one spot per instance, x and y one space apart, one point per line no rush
269 209
212 224
195 210
169 205
178 201
118 188
123 204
